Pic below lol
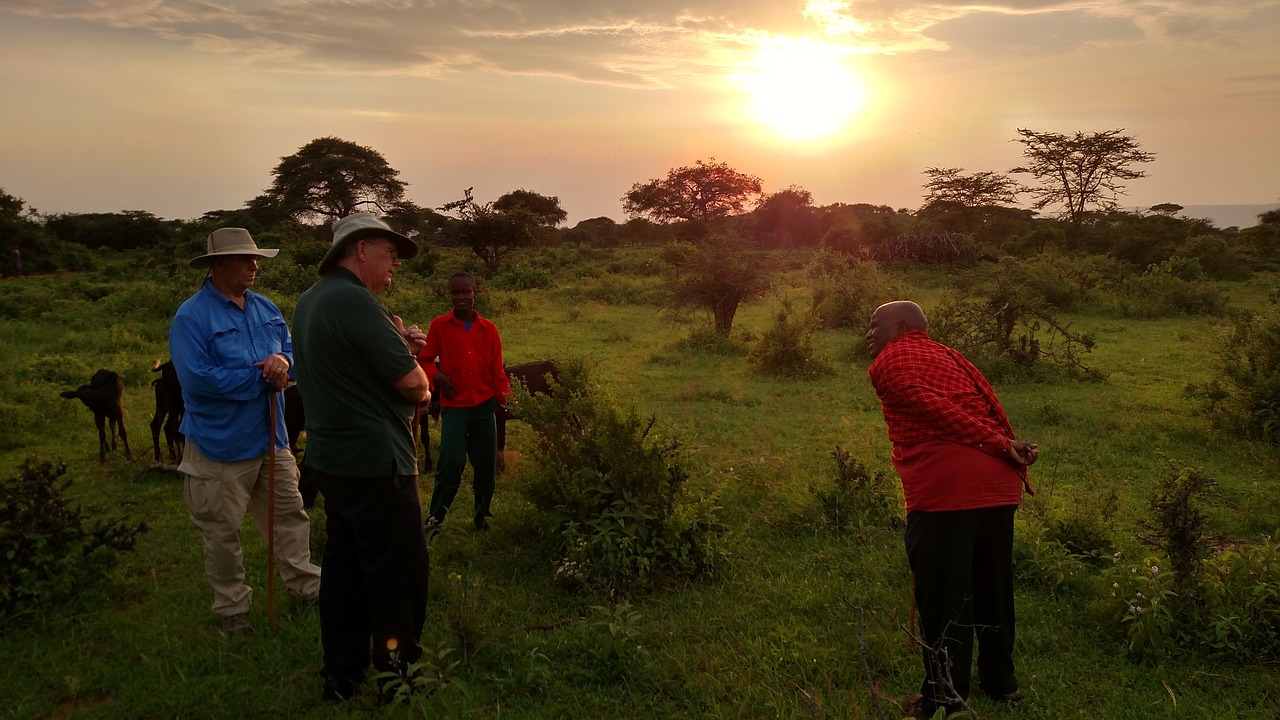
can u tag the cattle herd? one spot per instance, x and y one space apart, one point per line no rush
104 393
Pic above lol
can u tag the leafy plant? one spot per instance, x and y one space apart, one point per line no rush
1143 598
49 549
614 492
786 348
1244 393
858 498
1179 527
418 679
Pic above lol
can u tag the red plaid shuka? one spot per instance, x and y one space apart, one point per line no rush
950 435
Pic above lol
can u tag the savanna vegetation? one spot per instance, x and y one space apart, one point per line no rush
703 521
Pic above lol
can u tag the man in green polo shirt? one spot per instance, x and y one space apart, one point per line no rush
360 383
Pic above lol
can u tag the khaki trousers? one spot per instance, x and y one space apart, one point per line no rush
218 494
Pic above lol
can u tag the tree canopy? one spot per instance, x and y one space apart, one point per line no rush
329 178
1081 170
717 274
493 234
705 191
545 208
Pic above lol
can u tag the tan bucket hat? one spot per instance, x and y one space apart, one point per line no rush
229 241
360 226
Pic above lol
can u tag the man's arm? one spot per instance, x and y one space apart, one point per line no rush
413 386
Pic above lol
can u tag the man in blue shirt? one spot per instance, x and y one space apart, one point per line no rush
232 351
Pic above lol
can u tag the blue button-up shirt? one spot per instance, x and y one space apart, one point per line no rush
214 344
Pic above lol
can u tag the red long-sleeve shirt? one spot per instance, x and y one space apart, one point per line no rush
471 358
950 435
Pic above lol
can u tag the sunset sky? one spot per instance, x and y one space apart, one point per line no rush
180 107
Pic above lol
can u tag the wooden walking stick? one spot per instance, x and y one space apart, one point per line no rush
271 515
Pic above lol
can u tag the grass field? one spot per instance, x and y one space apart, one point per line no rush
790 627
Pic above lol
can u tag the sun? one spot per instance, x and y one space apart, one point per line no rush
803 90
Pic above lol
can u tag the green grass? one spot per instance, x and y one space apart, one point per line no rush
775 634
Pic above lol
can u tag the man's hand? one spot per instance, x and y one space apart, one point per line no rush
413 335
275 369
1023 453
444 385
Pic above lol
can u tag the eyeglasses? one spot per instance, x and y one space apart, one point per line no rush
395 256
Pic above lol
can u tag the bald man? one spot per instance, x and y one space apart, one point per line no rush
963 474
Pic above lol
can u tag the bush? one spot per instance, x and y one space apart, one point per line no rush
1008 323
614 492
1244 394
786 349
1243 593
858 498
846 293
522 277
47 553
1171 287
1220 259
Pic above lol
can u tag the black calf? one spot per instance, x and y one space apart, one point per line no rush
102 395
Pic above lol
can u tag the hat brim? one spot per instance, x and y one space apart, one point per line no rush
204 261
405 248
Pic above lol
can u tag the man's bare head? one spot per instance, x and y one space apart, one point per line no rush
891 320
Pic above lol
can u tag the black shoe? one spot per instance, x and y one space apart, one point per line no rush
480 523
431 526
337 689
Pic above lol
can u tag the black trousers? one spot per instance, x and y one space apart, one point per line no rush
962 564
373 584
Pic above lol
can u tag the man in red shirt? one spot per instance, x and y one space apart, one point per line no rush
471 383
962 476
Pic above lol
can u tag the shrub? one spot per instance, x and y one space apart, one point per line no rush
786 349
522 277
1243 592
1164 291
1006 323
1179 527
1040 560
47 553
614 492
1244 394
846 293
858 498
1218 259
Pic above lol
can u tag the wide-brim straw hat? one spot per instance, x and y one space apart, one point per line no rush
361 226
229 241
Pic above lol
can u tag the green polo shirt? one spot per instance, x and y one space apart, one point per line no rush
349 356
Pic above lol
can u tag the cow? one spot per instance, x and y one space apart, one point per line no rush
537 378
169 410
102 395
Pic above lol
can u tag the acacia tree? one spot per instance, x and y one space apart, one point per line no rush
329 178
716 275
705 191
1081 170
494 233
546 208
951 194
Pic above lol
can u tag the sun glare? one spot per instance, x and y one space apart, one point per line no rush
803 91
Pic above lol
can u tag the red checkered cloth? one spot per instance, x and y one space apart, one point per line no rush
931 393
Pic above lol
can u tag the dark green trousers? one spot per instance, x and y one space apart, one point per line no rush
466 434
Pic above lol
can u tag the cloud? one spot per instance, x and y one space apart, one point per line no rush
622 42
